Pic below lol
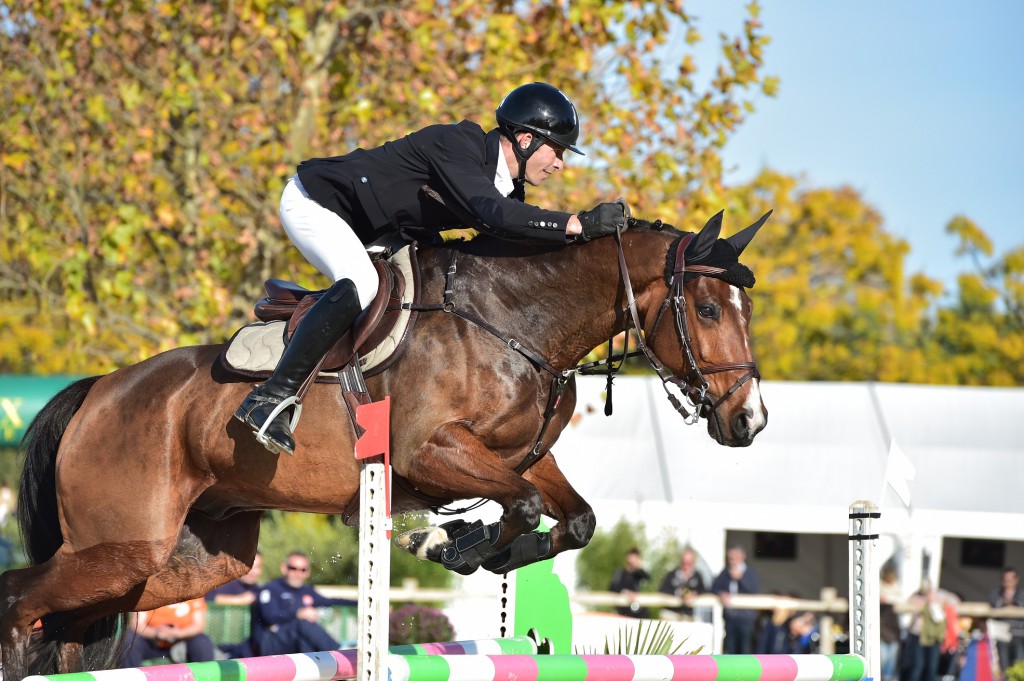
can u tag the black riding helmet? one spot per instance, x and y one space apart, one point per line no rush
543 110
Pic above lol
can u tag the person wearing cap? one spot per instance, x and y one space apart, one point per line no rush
438 178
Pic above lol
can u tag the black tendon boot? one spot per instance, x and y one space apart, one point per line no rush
326 322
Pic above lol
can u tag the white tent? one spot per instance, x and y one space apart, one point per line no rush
825 446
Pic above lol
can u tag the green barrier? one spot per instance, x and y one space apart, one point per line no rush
230 623
21 398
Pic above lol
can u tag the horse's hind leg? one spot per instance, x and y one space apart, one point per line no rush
76 588
208 553
69 581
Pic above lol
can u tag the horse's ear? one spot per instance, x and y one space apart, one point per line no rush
739 240
700 247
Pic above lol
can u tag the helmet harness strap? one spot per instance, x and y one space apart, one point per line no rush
522 154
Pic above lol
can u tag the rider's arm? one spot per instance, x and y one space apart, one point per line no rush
321 601
574 227
456 159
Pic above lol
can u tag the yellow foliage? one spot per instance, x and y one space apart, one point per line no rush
140 175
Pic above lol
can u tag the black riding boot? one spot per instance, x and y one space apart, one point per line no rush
326 322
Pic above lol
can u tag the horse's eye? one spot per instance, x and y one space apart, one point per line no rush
707 311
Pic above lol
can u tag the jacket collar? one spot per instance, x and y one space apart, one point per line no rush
492 146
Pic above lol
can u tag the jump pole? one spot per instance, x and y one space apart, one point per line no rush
865 617
322 666
626 668
373 448
337 666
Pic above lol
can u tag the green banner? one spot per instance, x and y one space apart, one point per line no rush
21 398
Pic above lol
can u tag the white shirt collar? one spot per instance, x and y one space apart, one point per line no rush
503 176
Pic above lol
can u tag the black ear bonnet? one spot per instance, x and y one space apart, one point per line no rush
722 255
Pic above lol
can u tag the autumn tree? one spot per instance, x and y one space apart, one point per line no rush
832 300
143 146
980 336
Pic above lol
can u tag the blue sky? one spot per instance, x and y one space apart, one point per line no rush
918 105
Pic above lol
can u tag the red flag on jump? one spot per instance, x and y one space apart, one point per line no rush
375 420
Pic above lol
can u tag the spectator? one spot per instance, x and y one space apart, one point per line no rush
156 631
787 632
926 634
1007 594
241 591
889 596
685 582
737 578
627 580
285 614
802 629
8 505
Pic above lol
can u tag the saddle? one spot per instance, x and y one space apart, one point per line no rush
377 335
290 302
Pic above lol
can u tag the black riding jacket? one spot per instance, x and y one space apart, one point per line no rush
379 191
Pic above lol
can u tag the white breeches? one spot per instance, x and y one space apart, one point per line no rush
326 240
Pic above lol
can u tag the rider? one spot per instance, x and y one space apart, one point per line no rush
332 207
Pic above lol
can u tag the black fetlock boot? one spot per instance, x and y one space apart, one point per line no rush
326 322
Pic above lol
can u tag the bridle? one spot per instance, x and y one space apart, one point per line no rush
696 390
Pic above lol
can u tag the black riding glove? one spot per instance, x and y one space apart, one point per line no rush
603 219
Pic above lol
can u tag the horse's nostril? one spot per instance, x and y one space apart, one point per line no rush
741 425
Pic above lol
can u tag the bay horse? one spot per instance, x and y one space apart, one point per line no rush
140 489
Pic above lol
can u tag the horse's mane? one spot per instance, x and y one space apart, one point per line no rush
722 255
489 246
496 247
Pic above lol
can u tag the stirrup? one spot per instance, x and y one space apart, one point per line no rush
261 434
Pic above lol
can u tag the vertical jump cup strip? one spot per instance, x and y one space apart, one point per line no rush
373 448
865 619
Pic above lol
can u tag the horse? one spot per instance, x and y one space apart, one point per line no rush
140 489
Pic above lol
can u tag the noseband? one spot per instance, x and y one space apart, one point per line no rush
696 389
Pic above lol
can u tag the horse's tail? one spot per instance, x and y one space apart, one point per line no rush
40 528
37 499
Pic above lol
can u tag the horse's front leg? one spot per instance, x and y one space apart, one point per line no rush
454 464
574 521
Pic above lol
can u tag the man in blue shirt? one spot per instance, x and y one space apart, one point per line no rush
737 578
284 616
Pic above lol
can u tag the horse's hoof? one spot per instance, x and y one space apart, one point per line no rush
423 542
